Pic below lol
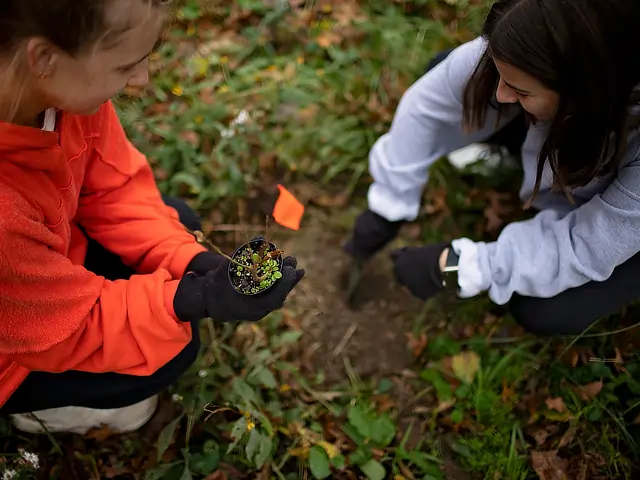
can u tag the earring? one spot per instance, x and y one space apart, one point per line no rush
41 75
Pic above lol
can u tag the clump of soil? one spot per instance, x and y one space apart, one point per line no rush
256 267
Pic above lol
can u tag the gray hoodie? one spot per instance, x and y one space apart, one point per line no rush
563 247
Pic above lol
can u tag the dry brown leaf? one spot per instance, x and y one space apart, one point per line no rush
567 438
549 466
444 406
100 434
191 137
590 391
556 404
217 475
496 211
437 201
328 38
405 471
417 345
540 435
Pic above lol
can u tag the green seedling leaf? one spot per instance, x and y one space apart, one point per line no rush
374 470
286 338
360 457
265 377
166 437
338 462
383 430
319 463
443 389
457 416
244 391
204 464
465 366
239 429
385 385
361 420
264 451
253 444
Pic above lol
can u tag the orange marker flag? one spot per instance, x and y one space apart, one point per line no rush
288 210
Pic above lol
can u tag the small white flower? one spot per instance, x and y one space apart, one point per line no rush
176 397
203 373
9 474
31 458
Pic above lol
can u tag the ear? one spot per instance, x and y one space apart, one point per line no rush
42 57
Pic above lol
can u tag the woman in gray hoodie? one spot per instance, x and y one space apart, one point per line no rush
569 71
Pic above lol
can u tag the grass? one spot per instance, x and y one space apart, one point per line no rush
247 93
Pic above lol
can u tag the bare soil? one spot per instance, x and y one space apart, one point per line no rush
372 338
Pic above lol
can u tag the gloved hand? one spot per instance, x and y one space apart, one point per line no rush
418 269
213 295
203 263
371 234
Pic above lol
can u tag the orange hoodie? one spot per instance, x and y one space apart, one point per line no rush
54 314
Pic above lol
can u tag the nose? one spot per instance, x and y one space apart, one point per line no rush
504 94
141 76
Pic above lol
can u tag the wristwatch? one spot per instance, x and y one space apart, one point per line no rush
450 272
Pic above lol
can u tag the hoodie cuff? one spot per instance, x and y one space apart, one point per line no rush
471 280
183 257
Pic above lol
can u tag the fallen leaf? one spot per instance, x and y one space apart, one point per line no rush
549 466
540 435
465 366
417 345
590 391
328 38
496 211
556 404
444 406
332 450
405 471
217 475
567 438
508 392
437 201
100 434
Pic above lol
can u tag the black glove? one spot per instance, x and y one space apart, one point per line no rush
203 263
418 269
213 295
371 234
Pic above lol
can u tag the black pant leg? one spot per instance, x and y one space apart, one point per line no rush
42 390
572 311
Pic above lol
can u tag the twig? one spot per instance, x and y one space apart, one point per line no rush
343 343
202 240
236 228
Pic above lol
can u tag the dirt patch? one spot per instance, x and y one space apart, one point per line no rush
373 337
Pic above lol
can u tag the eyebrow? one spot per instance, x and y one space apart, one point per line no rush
157 44
513 87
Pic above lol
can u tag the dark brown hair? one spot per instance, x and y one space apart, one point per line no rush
71 25
586 51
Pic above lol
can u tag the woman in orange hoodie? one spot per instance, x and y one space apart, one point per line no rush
101 287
